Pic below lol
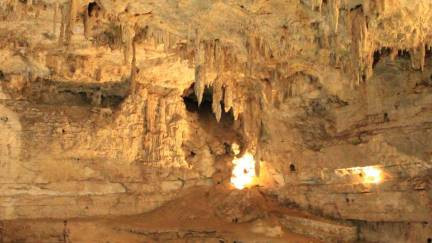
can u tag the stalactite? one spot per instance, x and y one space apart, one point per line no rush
189 39
152 103
317 4
150 36
237 104
172 40
56 6
70 24
133 68
200 84
86 25
159 37
369 63
393 53
334 14
381 5
283 44
209 55
228 97
217 98
37 14
235 113
14 7
162 117
422 56
267 50
63 11
200 72
219 57
362 47
367 7
166 40
417 55
128 34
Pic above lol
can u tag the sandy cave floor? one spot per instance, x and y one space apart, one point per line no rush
194 217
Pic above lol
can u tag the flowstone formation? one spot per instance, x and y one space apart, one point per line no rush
218 120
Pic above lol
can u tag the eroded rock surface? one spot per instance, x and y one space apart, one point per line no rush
112 108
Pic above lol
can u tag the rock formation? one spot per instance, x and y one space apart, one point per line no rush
112 109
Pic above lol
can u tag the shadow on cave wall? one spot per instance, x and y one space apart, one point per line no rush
49 92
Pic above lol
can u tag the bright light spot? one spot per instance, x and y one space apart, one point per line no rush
371 175
235 148
243 173
366 175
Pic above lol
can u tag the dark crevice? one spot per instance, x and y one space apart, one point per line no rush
359 6
204 110
428 52
379 54
51 92
403 54
93 8
292 168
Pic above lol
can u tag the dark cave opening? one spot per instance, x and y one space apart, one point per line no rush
378 54
292 168
403 54
224 131
92 9
204 110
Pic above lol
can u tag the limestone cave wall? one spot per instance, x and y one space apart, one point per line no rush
116 107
